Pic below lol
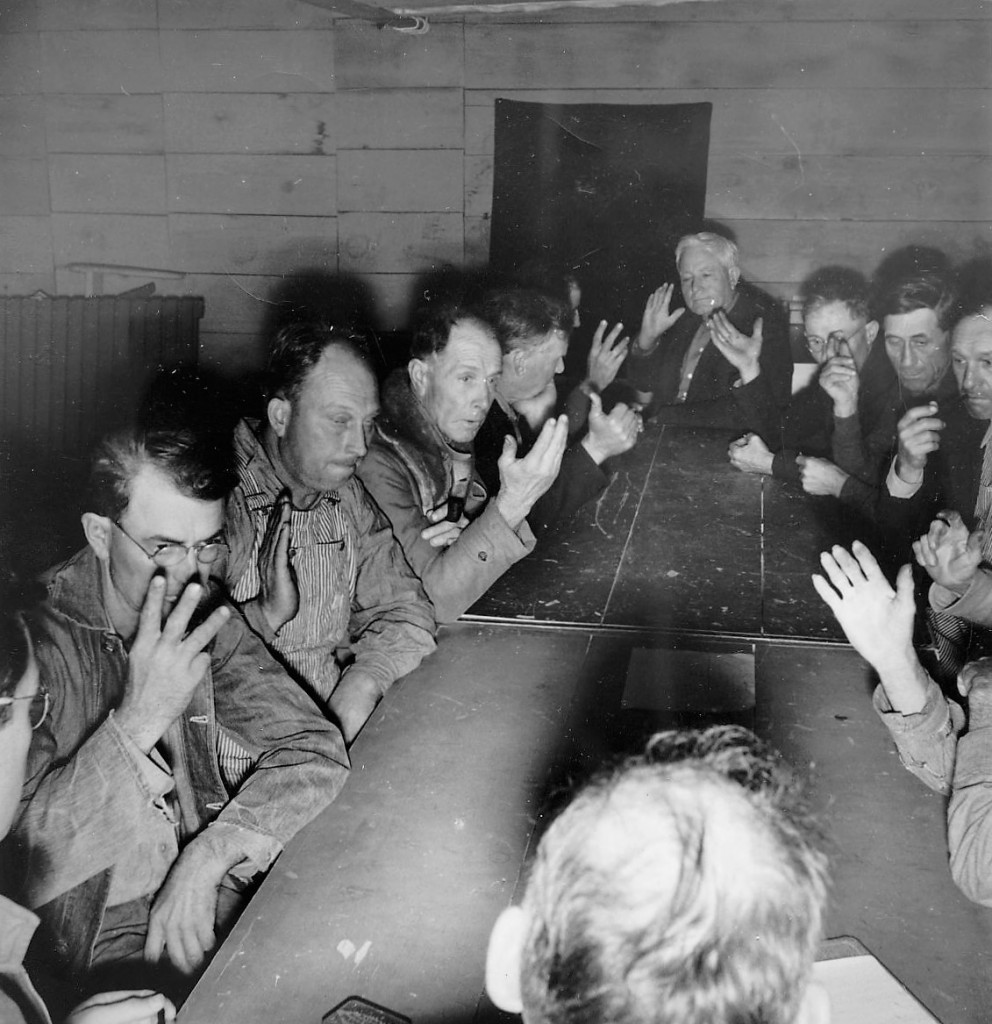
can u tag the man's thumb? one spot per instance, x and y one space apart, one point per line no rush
758 327
595 404
509 448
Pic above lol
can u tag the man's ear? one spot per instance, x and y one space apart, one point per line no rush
518 361
503 959
97 530
419 373
734 273
279 411
815 1007
871 332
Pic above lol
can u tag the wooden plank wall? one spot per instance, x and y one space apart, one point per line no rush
241 140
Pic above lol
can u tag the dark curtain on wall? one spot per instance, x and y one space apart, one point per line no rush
601 190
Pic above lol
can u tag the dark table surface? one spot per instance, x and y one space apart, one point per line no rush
391 892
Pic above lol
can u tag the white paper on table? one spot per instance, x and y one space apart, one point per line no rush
862 991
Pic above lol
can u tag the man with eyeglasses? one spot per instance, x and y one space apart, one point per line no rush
836 433
178 757
333 595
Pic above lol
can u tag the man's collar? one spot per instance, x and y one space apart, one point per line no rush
75 590
263 458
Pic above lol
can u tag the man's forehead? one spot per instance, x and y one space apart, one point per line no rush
917 321
837 311
973 335
157 507
471 344
340 377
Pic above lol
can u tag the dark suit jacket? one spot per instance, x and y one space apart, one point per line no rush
579 479
950 481
712 400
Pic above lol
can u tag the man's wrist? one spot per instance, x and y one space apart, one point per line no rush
904 681
750 372
845 408
594 451
907 472
646 342
514 512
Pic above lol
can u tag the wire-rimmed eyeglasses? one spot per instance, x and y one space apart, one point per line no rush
833 341
37 710
205 551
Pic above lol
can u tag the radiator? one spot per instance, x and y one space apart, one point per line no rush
71 368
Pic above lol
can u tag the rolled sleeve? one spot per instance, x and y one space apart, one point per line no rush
897 487
974 605
927 740
969 813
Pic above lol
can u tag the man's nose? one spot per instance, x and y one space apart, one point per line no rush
968 379
830 349
908 356
560 365
357 445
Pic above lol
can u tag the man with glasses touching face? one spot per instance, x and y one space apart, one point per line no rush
835 435
178 756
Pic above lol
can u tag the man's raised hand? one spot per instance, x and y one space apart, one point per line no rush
919 435
523 481
739 349
949 553
279 594
606 356
165 664
657 317
610 435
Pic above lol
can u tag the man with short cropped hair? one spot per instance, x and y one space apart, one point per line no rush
327 585
458 536
685 887
178 757
533 329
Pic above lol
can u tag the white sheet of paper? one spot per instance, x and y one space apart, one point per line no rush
862 991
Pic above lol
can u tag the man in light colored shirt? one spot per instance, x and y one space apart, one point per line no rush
326 583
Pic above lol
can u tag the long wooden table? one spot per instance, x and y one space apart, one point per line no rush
391 892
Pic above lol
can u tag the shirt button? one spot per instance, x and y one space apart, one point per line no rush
108 645
483 557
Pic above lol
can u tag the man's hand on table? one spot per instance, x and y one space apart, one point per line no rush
821 476
750 454
181 924
949 553
877 620
165 665
353 701
138 1007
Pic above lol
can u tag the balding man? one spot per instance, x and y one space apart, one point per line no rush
323 579
642 889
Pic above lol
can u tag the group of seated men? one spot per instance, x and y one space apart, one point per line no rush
208 657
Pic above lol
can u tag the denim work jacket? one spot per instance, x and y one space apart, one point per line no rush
88 804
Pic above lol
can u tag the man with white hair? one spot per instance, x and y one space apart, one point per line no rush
686 887
695 360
